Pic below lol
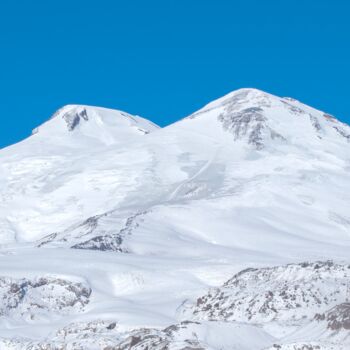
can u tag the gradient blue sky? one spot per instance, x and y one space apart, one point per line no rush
165 59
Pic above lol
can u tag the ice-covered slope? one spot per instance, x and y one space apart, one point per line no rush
70 167
150 218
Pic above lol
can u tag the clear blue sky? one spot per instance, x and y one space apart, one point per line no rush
164 59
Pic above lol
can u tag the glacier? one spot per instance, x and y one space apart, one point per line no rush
229 229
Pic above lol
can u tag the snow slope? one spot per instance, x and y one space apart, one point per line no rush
150 219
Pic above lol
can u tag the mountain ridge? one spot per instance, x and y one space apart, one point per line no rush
249 100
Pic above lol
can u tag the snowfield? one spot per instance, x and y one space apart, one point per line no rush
227 230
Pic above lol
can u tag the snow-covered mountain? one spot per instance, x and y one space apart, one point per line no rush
118 234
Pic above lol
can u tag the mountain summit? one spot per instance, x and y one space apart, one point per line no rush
260 119
104 125
227 229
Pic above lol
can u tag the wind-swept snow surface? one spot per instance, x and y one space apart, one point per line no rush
229 229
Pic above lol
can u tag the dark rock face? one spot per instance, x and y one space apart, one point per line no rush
165 339
292 108
100 238
338 318
73 118
250 123
87 227
285 293
342 132
342 129
330 118
44 294
111 241
315 123
103 243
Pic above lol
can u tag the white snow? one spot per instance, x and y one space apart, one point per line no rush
250 180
